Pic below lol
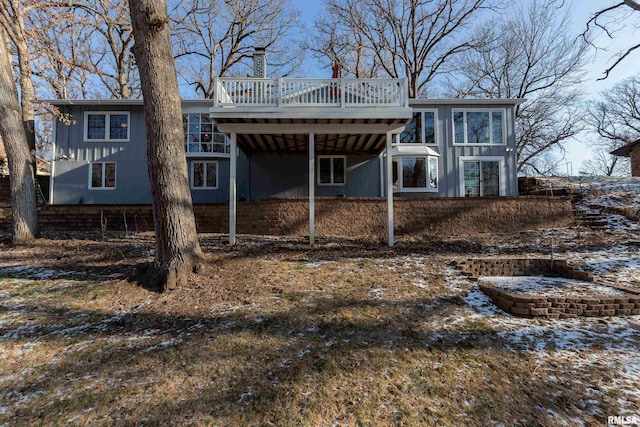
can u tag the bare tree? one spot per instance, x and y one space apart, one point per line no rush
615 117
112 61
614 121
61 52
530 55
603 163
20 160
214 37
416 39
611 19
177 249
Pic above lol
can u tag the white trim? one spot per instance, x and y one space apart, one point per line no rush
204 162
402 189
312 188
107 125
104 176
436 137
501 166
53 158
332 183
390 240
306 128
478 110
232 189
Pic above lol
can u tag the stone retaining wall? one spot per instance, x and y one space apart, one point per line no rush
559 307
350 217
548 307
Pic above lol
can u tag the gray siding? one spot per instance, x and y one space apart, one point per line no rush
72 157
271 176
449 169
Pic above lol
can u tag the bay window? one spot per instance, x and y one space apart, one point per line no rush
415 174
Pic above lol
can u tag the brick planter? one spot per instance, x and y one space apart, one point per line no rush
553 307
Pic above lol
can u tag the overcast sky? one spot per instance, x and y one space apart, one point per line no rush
581 11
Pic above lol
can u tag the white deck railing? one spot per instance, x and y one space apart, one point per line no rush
283 93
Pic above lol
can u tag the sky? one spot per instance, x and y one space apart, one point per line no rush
581 10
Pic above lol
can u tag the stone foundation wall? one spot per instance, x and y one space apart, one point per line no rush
334 217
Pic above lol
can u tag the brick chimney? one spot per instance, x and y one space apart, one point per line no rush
259 63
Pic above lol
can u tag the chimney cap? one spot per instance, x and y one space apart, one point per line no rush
259 50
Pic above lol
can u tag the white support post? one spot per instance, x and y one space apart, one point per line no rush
312 188
232 188
390 188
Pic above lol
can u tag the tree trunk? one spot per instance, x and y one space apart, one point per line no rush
177 248
20 161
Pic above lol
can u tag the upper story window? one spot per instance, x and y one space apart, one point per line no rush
421 129
102 176
106 126
332 170
481 127
202 136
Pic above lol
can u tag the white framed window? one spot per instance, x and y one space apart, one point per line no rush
201 135
332 170
102 175
421 129
482 176
415 174
479 126
106 126
204 175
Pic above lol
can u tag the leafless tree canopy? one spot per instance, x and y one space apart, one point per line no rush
530 54
609 20
215 38
417 39
614 121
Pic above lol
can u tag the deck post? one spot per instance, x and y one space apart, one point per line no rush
390 189
232 188
312 188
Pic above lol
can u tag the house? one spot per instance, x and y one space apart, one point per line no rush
263 138
631 150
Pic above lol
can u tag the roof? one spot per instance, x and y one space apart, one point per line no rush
205 102
626 150
417 102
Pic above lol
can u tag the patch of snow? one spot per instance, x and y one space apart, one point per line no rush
549 286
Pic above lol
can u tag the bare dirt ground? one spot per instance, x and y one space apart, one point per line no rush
275 332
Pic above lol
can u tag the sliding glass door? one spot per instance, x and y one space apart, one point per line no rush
481 178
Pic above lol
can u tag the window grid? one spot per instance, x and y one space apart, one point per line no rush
102 176
204 175
105 126
332 170
201 135
490 128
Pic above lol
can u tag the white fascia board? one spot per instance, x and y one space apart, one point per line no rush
267 113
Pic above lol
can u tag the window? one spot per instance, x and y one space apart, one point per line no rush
479 127
421 129
102 175
204 175
106 126
332 170
202 136
416 174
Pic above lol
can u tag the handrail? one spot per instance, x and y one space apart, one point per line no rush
297 92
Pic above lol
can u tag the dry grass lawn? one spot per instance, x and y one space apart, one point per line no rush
275 332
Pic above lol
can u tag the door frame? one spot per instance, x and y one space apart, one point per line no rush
501 166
